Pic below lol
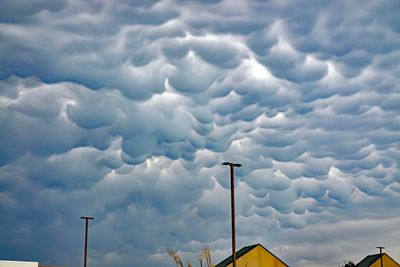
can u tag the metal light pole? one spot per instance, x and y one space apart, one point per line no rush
380 253
231 167
86 236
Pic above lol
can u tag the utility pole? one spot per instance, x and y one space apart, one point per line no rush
380 253
231 167
86 236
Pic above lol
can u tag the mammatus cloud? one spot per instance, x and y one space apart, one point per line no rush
124 111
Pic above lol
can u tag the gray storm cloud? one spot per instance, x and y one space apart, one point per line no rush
126 109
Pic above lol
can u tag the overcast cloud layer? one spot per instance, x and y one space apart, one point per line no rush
124 110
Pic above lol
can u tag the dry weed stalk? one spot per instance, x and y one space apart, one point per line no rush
204 255
175 257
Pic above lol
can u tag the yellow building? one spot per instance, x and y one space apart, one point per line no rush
253 256
375 261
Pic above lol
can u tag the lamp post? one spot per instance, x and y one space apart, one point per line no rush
86 236
231 167
380 254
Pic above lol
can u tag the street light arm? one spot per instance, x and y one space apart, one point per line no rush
226 163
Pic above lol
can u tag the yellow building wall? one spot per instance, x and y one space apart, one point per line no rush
258 257
387 262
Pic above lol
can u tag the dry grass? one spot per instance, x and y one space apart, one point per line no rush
175 257
205 255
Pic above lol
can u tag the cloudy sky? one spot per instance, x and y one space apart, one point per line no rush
124 111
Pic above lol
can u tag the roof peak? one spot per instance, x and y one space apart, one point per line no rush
242 252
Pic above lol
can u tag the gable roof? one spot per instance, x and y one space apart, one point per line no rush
242 252
367 261
370 259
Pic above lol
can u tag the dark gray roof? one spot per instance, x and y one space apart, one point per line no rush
241 252
367 261
370 259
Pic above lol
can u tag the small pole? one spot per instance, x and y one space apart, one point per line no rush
86 236
231 167
380 253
